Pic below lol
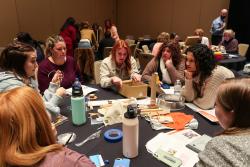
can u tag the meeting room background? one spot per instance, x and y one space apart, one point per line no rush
132 17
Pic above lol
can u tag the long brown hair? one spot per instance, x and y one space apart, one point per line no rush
234 96
122 44
26 135
14 57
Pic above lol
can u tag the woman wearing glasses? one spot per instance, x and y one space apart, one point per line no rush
18 62
57 65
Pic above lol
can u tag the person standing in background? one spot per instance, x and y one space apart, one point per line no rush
68 32
218 26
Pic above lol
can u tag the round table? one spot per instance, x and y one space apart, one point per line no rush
235 63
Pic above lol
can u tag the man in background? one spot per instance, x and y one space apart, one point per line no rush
218 26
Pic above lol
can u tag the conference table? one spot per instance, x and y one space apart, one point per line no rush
111 151
235 63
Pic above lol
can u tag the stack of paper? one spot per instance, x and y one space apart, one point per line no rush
174 143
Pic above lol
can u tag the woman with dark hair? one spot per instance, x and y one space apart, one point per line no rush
119 66
109 26
18 61
168 63
232 108
25 37
68 32
203 76
26 134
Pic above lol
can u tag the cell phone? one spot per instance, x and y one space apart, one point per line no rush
165 86
124 162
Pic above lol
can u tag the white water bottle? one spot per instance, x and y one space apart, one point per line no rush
130 128
177 87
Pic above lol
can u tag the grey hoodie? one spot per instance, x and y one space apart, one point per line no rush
8 80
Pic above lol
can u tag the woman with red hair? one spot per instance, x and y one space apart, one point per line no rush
120 65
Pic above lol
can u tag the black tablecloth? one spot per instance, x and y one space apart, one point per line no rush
233 63
111 151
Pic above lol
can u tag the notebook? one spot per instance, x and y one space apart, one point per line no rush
199 144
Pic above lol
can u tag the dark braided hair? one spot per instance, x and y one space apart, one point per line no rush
205 64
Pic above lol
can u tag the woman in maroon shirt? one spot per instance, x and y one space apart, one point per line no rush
57 63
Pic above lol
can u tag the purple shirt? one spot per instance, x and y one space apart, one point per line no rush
47 70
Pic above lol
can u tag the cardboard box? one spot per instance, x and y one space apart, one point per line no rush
133 89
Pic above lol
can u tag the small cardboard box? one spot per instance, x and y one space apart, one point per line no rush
133 89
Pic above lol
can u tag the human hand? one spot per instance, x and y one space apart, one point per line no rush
116 81
169 63
136 77
60 92
54 129
188 74
57 78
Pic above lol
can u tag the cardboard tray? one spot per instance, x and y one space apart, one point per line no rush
133 89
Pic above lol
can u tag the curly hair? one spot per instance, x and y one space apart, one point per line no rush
175 52
204 62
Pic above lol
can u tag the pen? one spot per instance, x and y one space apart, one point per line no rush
67 142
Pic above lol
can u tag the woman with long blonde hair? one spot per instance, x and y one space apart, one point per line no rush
26 135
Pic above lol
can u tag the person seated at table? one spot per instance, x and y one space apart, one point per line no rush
18 62
57 63
26 134
232 108
168 63
174 38
200 32
229 42
119 66
203 76
162 38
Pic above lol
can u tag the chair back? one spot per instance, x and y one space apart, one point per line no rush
107 52
132 49
85 61
242 48
130 41
145 49
97 66
144 59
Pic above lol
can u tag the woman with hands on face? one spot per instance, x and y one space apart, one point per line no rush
203 76
119 66
168 63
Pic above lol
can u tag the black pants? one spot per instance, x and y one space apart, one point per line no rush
216 39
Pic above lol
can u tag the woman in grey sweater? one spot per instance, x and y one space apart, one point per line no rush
232 147
18 62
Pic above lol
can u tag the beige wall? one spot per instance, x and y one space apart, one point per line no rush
133 17
141 17
44 17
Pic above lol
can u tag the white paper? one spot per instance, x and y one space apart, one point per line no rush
232 56
168 91
197 109
175 142
86 90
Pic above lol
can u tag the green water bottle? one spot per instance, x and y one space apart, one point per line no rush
78 104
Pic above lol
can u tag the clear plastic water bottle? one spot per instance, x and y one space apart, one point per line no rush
78 104
177 87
